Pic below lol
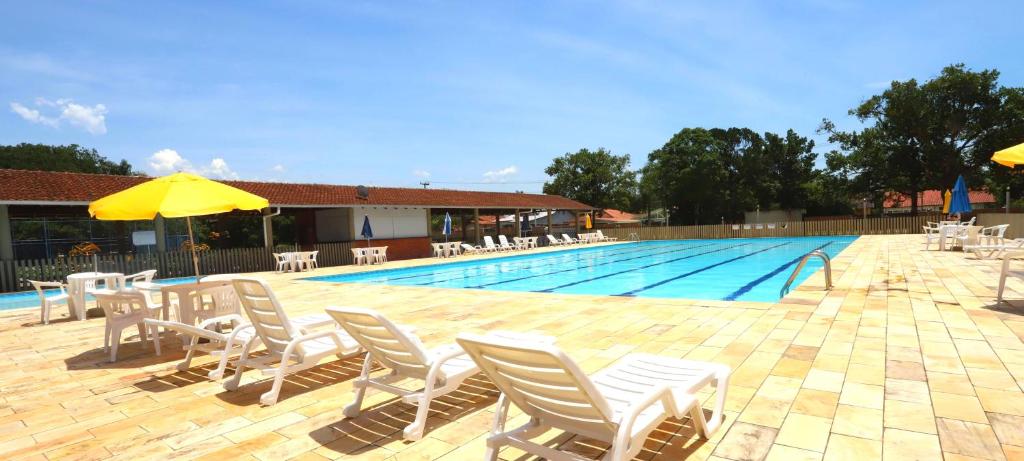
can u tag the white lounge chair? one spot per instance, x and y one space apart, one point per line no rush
123 309
489 244
442 369
567 239
620 404
505 245
603 238
554 241
470 249
46 302
291 346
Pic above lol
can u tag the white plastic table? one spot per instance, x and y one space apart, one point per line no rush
83 282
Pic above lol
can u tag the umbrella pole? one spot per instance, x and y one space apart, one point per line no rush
192 239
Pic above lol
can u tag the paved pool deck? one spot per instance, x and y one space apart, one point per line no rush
908 357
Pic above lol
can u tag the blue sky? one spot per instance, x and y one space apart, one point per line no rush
474 95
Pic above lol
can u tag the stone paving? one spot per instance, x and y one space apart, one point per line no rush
908 357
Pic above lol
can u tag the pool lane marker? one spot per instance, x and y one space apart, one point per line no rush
696 271
750 286
462 265
647 255
549 290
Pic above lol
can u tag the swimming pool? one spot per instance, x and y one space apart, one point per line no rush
728 269
31 299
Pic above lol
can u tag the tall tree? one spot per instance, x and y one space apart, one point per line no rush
790 161
690 173
597 178
922 136
72 157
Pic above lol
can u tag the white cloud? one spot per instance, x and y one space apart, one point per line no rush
501 175
279 168
421 174
165 161
91 119
219 169
32 115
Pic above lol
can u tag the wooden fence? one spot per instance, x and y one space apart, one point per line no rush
15 274
885 225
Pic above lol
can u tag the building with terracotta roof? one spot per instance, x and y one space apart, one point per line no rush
400 217
931 200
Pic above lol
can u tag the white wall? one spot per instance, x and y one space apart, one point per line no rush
391 222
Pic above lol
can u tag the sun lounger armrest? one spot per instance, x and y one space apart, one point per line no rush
235 320
663 394
333 334
184 329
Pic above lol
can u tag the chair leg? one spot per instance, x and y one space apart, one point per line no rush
414 431
232 384
352 410
1002 279
44 314
154 334
499 426
115 340
185 364
270 397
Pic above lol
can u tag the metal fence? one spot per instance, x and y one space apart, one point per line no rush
15 274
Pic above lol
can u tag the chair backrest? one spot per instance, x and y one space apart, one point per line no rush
542 381
144 276
566 238
552 239
267 316
280 257
599 233
117 304
215 299
1001 230
313 255
488 241
503 240
388 344
41 286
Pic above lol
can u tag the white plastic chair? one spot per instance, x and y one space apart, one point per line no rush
503 243
438 249
46 303
290 346
123 309
470 249
601 237
932 233
359 257
442 369
489 244
567 239
620 404
380 255
283 262
554 241
313 264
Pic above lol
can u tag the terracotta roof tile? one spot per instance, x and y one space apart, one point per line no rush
47 186
934 198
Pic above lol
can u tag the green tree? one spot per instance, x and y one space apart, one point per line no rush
72 158
597 178
689 173
922 136
790 161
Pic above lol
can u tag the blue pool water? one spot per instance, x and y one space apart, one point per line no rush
31 299
729 269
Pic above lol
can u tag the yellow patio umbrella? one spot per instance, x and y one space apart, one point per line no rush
945 202
175 196
1011 156
588 223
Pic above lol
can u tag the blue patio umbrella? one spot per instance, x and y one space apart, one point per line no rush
960 202
367 230
447 229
